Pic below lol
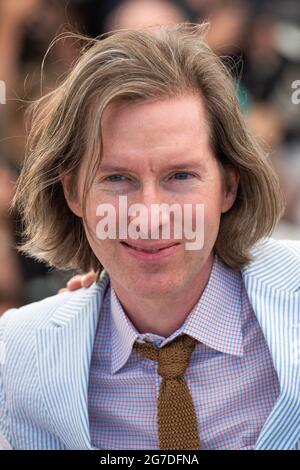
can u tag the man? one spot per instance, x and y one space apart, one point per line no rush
152 117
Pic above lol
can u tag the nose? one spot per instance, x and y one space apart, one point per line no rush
149 211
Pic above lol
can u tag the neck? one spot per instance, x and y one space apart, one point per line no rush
153 315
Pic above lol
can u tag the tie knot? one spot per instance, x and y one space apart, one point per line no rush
173 359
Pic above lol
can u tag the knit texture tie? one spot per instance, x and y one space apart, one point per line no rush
177 421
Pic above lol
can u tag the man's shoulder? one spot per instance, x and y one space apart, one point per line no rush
37 314
276 262
271 244
19 324
271 248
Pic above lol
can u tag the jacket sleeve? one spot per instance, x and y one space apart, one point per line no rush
4 419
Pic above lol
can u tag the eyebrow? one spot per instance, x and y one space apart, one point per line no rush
175 166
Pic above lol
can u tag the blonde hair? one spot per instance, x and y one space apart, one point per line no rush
138 65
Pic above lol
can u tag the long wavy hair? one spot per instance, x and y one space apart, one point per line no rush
138 65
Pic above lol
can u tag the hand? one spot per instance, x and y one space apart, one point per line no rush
78 281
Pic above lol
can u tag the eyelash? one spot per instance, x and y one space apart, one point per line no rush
177 173
183 173
113 176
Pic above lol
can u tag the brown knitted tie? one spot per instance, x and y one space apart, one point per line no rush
177 421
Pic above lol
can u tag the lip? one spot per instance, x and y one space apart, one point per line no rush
148 245
164 252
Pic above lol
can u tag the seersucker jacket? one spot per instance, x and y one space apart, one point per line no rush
46 348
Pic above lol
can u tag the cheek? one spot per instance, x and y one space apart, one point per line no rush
91 221
207 220
208 208
104 248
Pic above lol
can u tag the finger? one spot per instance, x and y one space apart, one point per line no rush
88 279
74 283
63 289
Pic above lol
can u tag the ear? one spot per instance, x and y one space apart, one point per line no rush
67 182
230 187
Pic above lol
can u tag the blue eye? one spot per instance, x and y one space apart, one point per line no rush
182 175
115 178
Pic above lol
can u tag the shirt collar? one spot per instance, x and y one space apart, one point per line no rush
215 320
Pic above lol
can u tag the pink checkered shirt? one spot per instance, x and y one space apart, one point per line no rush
231 375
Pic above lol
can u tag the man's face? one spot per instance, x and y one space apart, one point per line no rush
156 152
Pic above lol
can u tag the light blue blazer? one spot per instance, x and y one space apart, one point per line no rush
46 347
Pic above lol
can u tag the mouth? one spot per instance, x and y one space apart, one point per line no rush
150 253
149 250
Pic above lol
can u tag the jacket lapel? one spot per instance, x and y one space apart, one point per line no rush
64 352
273 291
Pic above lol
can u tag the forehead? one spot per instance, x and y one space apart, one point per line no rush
164 126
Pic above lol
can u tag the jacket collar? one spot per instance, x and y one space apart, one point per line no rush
276 264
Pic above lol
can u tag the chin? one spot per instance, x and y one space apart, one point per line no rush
151 286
